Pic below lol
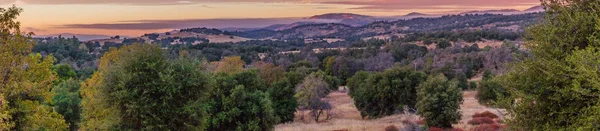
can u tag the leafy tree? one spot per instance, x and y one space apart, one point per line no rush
284 103
231 65
463 82
490 91
67 102
557 88
382 94
310 92
239 102
137 88
25 80
64 72
269 72
439 102
333 82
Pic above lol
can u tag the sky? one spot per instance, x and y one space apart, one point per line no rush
137 17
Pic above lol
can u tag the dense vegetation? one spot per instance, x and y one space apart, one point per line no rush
65 84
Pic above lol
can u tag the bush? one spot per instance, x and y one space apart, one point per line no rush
437 89
489 127
284 103
382 94
486 114
392 128
490 91
472 85
481 120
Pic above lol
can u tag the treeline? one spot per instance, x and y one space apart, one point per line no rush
465 35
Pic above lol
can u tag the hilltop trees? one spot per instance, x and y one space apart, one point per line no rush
137 88
558 88
439 101
381 94
25 80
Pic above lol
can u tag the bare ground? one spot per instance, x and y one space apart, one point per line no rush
347 116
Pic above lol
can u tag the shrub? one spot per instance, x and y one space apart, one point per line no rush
489 127
437 89
382 94
434 129
481 120
486 114
391 128
490 91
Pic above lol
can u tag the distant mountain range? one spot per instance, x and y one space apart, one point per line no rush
348 25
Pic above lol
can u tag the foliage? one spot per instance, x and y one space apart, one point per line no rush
310 92
231 65
490 92
439 102
269 72
557 88
443 44
67 101
382 94
239 102
137 88
333 82
284 103
25 80
64 72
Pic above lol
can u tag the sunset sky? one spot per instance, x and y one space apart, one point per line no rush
136 17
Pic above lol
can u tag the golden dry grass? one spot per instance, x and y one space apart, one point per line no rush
348 117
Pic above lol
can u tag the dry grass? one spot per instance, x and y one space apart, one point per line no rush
348 117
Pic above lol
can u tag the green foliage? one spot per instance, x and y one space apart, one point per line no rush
310 92
333 82
462 80
67 102
439 102
137 88
558 88
284 103
64 72
26 79
239 102
490 91
472 85
382 94
443 44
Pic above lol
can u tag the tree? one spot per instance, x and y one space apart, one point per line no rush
67 102
310 92
382 94
439 102
231 65
269 72
557 88
443 44
137 88
284 103
64 72
239 102
25 80
490 91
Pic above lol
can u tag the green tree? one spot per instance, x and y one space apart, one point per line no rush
284 103
558 88
67 102
239 102
64 72
490 91
137 88
25 80
439 102
310 92
382 94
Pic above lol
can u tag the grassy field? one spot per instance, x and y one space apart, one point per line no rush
347 117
